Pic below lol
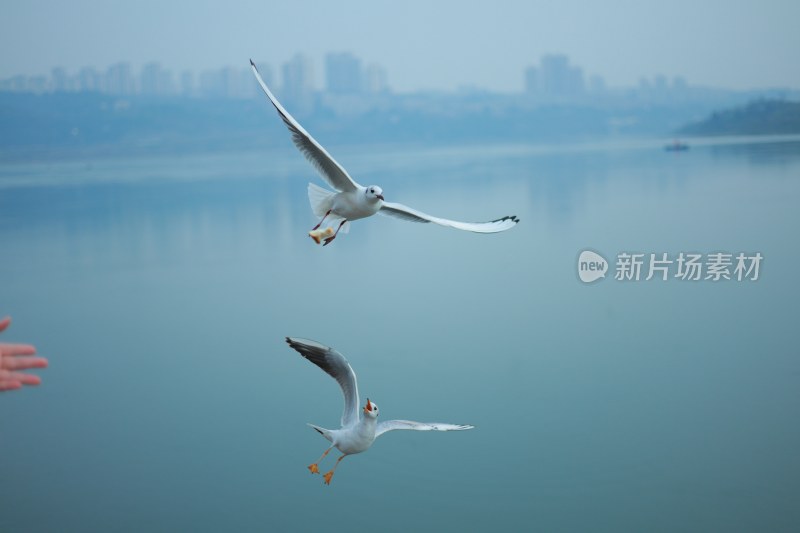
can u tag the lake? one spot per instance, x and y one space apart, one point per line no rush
161 290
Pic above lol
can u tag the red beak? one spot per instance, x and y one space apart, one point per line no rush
368 407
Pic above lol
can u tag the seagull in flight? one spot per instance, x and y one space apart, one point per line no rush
360 427
352 201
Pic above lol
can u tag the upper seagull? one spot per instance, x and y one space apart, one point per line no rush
359 429
354 201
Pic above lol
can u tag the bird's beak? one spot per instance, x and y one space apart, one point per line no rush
380 197
368 407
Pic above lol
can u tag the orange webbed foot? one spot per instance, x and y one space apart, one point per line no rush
328 476
314 468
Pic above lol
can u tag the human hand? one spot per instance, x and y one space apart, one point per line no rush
15 357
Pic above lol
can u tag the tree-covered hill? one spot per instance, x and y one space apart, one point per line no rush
761 117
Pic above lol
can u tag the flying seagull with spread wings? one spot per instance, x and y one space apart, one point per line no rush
360 427
352 201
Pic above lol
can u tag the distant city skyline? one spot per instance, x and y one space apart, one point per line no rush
443 45
344 74
554 77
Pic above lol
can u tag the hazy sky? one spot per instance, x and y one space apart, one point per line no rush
423 45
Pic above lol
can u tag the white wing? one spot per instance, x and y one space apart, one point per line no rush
412 215
338 368
331 171
391 425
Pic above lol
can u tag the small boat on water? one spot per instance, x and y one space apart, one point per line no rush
676 146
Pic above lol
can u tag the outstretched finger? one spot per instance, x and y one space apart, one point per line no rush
24 379
21 363
9 385
16 349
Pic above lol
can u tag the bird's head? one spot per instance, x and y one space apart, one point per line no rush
374 193
370 410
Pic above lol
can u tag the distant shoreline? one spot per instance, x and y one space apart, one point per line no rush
80 125
286 155
759 117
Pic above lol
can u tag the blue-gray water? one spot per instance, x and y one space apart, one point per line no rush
161 290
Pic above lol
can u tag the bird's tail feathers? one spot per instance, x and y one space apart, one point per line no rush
322 431
320 199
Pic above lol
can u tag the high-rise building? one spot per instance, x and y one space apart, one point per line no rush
88 80
660 84
59 80
298 86
554 74
343 73
231 82
559 78
555 78
226 82
155 80
240 83
297 76
119 79
532 83
187 87
375 79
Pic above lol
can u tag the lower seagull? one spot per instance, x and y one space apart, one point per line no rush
360 427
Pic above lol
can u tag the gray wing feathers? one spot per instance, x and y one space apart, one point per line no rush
402 212
331 171
391 425
412 215
336 366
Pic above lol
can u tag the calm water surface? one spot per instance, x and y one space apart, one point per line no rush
161 290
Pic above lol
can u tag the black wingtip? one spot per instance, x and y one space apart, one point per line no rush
253 64
512 218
